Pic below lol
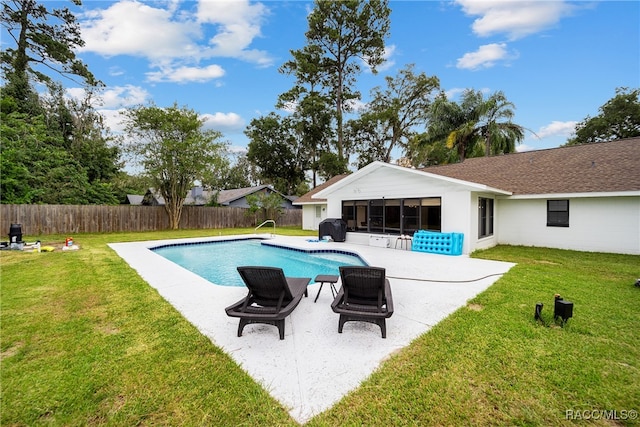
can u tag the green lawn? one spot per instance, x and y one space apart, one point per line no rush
85 341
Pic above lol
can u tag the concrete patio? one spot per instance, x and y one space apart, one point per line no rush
314 366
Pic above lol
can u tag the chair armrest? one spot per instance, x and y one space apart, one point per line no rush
387 291
338 299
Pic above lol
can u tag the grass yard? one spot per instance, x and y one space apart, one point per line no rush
85 341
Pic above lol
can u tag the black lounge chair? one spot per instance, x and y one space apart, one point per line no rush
271 297
365 296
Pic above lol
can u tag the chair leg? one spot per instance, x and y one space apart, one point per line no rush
380 322
241 326
318 294
280 325
277 323
341 323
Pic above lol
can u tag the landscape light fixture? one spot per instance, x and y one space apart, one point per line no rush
562 309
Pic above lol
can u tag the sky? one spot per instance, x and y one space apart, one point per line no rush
556 61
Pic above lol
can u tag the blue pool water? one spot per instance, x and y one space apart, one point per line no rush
217 261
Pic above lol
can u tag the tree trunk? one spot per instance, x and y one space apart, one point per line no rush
174 212
488 144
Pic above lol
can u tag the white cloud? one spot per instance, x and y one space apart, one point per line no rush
388 59
186 74
239 23
520 148
125 96
114 120
515 18
223 122
356 105
113 97
163 35
454 92
133 28
485 57
556 128
109 103
116 71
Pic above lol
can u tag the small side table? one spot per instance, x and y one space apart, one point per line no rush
326 278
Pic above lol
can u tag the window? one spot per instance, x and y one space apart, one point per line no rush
348 215
430 214
376 216
394 216
557 213
318 212
485 217
410 215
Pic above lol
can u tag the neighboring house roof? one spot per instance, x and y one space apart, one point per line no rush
134 199
228 196
308 197
198 196
597 167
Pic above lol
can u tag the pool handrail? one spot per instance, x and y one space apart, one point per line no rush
264 223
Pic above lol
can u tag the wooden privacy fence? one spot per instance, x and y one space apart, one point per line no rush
66 219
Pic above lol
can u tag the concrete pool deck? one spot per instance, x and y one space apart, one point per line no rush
315 366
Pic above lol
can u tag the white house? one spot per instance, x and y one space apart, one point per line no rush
584 197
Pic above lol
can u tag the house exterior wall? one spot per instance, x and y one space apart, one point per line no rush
603 222
596 224
457 214
239 203
475 242
310 218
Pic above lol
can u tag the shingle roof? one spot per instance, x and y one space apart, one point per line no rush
227 196
307 198
134 199
597 167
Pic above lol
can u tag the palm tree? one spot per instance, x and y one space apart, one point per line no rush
474 125
500 137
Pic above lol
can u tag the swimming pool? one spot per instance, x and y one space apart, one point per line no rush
217 261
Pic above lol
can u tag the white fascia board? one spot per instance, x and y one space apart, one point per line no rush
319 202
377 164
575 195
346 180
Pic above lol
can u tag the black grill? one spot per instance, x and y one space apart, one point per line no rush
334 227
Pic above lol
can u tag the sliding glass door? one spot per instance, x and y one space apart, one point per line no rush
392 216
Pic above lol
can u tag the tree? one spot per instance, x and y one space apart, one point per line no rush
45 39
421 152
173 149
619 118
393 114
474 126
125 184
39 166
268 203
82 132
278 151
341 33
239 174
312 113
311 121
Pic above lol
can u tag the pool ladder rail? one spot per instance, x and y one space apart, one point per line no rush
269 221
